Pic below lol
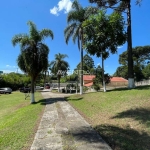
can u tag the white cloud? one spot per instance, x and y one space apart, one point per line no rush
54 11
98 64
9 66
119 47
63 5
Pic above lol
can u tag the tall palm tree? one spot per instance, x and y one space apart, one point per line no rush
59 66
33 58
75 19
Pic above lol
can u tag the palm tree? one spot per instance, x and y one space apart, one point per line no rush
33 58
75 19
59 66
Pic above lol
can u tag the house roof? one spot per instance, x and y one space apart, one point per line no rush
89 84
118 79
88 77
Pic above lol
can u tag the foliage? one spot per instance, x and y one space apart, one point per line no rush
141 56
121 71
96 84
75 18
14 80
103 33
72 77
85 88
59 66
122 6
146 71
88 64
33 58
71 85
18 120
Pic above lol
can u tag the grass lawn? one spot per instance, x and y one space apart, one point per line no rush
19 120
122 117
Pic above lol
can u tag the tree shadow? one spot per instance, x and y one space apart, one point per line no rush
42 102
144 87
79 134
124 139
140 114
73 99
118 89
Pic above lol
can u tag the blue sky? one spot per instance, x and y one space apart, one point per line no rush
52 14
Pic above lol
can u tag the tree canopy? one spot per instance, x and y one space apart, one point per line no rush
33 58
141 57
59 67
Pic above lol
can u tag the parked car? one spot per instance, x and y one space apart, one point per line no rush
5 90
39 88
47 86
25 89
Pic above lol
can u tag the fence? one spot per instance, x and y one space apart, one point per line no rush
144 82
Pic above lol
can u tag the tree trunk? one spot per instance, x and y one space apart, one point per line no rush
130 57
81 65
32 91
104 85
58 83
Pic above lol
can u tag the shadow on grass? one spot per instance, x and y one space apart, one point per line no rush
144 87
73 99
139 114
124 139
42 102
117 89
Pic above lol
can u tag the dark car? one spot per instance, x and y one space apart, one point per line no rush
5 90
25 89
47 86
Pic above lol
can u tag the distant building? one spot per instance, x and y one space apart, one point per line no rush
114 81
118 81
88 80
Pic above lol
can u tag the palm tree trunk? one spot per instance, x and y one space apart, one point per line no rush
32 91
130 58
104 85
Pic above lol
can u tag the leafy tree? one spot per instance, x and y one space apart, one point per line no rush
33 58
75 30
121 71
146 71
14 80
59 67
88 64
122 6
141 56
103 34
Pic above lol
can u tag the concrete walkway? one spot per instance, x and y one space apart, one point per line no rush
63 128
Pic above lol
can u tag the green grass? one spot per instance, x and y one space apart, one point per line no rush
122 117
18 120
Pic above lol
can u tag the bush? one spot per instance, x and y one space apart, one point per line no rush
85 89
96 87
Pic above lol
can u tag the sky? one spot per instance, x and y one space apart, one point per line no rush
52 14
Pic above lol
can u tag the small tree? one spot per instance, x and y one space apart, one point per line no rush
103 34
33 58
59 67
